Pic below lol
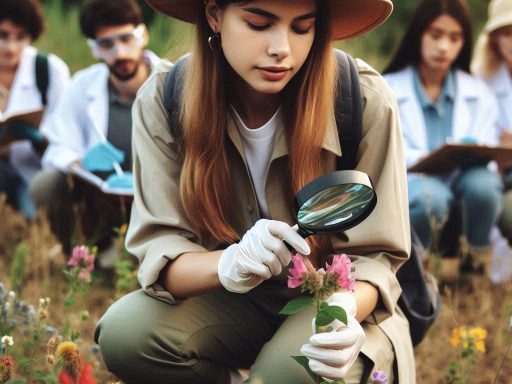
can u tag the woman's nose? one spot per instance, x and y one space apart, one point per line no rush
279 44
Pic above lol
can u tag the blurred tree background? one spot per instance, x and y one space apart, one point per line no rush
171 39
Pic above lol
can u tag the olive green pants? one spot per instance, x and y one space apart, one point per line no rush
144 340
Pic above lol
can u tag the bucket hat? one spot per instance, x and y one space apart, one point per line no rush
500 15
350 18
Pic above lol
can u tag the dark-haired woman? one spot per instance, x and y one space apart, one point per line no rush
440 102
21 23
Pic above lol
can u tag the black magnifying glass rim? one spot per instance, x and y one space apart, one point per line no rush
330 180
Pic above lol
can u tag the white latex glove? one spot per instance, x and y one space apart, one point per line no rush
259 255
332 354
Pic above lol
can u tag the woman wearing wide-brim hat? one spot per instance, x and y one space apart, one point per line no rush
492 61
213 203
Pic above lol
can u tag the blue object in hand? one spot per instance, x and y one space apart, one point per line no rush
468 140
23 131
102 157
124 181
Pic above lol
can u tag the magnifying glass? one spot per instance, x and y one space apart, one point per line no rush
334 203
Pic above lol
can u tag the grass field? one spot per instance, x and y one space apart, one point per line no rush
32 264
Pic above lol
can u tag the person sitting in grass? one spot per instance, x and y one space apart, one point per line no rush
492 61
213 203
94 114
441 102
29 80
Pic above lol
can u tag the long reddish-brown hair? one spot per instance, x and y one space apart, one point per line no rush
307 110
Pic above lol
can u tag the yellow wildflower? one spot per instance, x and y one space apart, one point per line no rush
70 358
465 338
478 335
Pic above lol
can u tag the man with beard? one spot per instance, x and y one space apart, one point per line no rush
94 112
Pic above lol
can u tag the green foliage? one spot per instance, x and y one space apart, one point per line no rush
304 362
18 266
297 305
330 313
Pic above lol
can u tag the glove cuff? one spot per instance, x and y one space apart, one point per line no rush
346 300
228 277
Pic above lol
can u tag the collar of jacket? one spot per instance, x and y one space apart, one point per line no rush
331 141
27 68
463 87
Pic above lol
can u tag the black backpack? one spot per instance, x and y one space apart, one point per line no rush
420 299
42 76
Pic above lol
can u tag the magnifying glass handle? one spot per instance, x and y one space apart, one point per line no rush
301 232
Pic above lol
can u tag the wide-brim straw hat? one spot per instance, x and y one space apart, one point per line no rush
500 15
350 18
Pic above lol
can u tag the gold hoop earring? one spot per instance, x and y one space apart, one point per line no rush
215 42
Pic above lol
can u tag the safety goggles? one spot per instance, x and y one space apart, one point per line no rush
109 46
18 39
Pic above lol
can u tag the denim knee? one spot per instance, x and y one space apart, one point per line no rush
429 198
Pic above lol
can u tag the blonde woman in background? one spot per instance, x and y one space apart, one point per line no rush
492 61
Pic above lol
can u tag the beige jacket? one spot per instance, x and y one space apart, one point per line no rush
159 230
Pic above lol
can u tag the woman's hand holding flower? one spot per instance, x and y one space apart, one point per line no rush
260 255
332 354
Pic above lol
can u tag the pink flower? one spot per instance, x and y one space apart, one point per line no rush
379 377
297 271
84 275
82 257
342 266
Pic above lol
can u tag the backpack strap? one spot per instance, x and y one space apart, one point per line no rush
172 95
348 110
42 76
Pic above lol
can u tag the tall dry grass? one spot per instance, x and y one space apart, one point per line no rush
477 304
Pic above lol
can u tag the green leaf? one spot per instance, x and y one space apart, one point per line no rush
323 318
323 305
337 312
303 360
297 305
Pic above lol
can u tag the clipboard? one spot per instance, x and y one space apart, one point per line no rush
451 156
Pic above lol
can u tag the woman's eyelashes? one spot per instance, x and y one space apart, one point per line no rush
300 30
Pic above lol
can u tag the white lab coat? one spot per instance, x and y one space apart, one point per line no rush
80 115
501 85
24 95
475 112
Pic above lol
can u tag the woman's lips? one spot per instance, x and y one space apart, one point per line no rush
273 74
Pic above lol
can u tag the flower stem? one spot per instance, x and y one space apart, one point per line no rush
501 364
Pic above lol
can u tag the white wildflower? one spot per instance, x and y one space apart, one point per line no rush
7 340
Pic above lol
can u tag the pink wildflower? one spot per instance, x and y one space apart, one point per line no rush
379 377
342 266
84 275
297 272
82 257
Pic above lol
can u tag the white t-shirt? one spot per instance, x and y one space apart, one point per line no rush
258 144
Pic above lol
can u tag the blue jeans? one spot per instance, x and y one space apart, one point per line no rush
478 192
16 190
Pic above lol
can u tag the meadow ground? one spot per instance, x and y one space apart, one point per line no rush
31 263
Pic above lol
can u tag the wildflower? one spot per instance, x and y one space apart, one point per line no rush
379 377
84 276
342 266
297 272
12 294
70 355
84 378
81 256
51 348
7 340
6 366
478 336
